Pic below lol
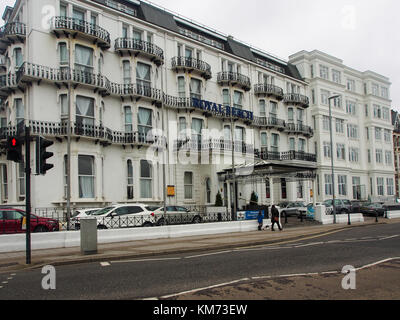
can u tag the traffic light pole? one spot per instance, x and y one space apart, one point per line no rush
28 192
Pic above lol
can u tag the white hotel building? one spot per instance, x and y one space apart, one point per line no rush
121 72
362 128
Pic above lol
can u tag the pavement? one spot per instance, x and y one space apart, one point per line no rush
150 248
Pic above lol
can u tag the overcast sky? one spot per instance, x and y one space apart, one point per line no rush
363 33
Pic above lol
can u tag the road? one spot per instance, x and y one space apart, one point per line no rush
167 277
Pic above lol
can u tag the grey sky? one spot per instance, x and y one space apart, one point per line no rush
363 33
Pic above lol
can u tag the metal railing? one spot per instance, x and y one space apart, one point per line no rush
297 99
193 63
269 89
285 156
60 129
73 24
269 122
299 128
136 45
212 145
234 77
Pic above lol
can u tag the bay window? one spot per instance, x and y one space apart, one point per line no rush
86 177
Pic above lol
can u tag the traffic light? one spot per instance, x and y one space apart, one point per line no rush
42 155
14 149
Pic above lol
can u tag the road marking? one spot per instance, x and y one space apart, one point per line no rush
9 278
205 288
391 237
146 260
4 282
105 264
310 244
208 254
270 277
377 263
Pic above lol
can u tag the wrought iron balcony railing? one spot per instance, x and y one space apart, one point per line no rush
269 122
101 35
269 90
299 128
286 156
212 145
192 64
234 78
139 46
30 71
296 98
101 133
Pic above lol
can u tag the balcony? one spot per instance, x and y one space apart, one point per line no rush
212 145
65 25
139 47
285 156
98 134
13 32
29 72
192 65
269 90
296 99
299 129
234 79
269 123
8 84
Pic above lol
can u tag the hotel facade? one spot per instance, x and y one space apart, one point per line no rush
142 93
361 124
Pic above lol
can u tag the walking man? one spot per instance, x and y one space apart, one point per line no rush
275 218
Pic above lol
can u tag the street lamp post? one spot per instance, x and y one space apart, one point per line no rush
332 164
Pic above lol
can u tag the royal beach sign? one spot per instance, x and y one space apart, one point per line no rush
220 110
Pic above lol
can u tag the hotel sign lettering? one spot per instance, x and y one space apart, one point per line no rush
219 109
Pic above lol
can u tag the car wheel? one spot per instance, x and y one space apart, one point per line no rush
197 219
102 228
161 223
40 229
344 211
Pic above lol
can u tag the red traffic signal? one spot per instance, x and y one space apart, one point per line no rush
14 149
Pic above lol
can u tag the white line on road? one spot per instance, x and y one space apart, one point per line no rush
269 277
146 260
391 237
208 254
105 264
310 244
205 288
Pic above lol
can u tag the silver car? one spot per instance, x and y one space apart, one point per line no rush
292 208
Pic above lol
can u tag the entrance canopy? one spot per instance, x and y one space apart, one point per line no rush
261 170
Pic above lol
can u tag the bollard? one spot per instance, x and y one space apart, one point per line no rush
88 236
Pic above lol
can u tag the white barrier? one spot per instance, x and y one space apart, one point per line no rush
393 214
70 239
320 215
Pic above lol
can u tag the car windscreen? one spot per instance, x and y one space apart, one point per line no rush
153 208
103 211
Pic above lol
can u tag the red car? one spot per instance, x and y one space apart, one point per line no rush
11 221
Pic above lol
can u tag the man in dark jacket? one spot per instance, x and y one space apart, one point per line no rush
275 218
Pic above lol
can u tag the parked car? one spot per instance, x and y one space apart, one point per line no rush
373 209
12 220
341 206
176 215
124 216
84 213
292 208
